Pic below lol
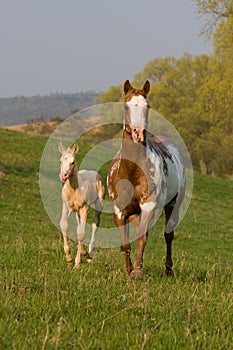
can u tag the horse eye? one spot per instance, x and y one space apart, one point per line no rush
72 163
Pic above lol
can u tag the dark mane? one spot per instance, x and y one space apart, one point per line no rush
158 145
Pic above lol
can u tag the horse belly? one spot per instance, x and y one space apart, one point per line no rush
87 182
174 179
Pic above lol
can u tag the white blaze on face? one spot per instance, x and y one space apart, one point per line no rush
66 160
138 108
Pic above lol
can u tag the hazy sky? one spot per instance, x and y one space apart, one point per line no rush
74 45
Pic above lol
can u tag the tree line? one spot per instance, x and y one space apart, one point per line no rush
18 110
195 93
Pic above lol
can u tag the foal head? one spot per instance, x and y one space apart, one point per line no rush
67 161
136 111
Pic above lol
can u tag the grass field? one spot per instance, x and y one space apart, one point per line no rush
47 305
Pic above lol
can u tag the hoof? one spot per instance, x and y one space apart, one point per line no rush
128 271
136 274
169 271
88 257
69 261
76 267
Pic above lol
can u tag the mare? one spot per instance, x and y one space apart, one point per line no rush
145 177
81 189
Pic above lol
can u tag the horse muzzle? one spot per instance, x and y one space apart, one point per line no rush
63 176
137 133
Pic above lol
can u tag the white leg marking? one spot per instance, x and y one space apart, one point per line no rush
117 211
92 242
147 206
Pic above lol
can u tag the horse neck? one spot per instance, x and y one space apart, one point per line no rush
73 178
132 150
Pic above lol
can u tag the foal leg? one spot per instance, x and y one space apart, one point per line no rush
81 221
95 225
137 271
64 227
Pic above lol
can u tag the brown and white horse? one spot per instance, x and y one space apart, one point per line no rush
81 189
145 177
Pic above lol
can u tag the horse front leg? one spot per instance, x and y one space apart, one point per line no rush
142 234
64 228
123 228
81 222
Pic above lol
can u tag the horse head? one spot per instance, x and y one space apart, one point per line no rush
136 111
67 161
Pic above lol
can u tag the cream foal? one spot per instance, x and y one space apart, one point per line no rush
80 190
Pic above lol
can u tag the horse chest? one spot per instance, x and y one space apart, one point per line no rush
129 184
73 198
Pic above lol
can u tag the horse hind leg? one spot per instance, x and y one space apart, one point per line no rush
95 225
172 218
99 203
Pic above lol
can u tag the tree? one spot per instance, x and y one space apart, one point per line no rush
216 11
215 105
114 94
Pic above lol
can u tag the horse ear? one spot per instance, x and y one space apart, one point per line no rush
146 87
127 86
74 149
61 148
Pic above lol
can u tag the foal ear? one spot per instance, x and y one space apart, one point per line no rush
74 149
146 87
127 86
61 148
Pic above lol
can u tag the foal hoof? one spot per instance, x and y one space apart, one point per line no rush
88 257
136 274
76 266
69 261
169 271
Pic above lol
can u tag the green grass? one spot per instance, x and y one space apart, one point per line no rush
47 305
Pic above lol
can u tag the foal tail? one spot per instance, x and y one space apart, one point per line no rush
99 202
100 191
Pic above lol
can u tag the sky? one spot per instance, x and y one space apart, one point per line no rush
70 46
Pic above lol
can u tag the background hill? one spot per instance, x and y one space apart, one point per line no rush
18 110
